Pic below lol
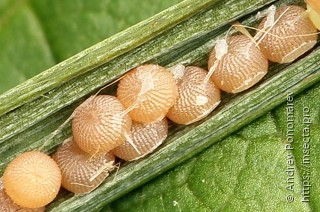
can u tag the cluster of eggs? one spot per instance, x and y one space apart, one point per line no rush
134 123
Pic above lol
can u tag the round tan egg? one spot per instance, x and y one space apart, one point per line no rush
32 179
143 139
82 172
147 92
291 35
7 205
197 97
241 67
100 124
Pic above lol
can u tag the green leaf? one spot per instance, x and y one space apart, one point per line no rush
32 111
24 50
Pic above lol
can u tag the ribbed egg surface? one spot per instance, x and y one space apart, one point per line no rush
241 67
197 97
32 179
144 138
100 124
7 205
148 92
82 172
291 35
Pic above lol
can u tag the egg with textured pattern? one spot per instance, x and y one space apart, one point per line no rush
7 205
32 179
240 65
197 96
99 124
82 172
147 92
290 35
143 139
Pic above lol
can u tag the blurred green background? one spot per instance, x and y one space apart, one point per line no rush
37 34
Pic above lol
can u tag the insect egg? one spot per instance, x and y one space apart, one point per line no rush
289 36
82 172
197 97
144 139
237 64
100 124
147 92
32 179
313 8
7 205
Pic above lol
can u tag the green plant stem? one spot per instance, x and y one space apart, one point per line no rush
193 139
176 42
100 53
